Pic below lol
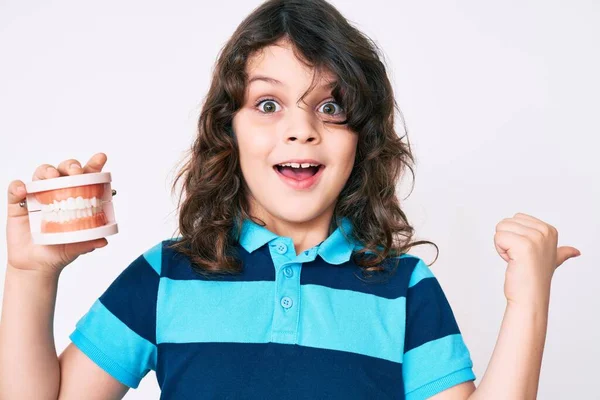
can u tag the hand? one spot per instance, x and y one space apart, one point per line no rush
529 246
22 252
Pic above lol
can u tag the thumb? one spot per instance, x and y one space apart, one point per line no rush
73 250
563 253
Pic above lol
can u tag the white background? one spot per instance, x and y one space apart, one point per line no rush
501 101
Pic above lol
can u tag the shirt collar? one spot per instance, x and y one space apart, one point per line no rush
335 249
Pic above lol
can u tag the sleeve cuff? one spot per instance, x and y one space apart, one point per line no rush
106 363
430 389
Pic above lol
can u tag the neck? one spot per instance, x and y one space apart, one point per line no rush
305 234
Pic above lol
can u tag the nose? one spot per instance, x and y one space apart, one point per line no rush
301 128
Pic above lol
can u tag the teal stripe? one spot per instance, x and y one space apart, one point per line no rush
434 360
113 345
352 321
154 257
427 391
421 271
214 311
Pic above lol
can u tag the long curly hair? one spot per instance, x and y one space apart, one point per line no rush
213 200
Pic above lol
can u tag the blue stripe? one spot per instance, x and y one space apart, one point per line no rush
348 276
257 266
154 257
351 321
113 346
442 384
131 297
258 371
435 360
420 272
208 311
428 314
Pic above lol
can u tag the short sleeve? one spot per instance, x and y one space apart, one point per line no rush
119 331
435 355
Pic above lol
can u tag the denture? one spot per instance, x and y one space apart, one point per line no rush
71 208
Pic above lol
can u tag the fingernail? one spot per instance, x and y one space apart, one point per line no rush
74 165
21 190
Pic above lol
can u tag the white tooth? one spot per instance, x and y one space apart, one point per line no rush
86 203
305 165
73 214
61 217
63 204
295 165
56 205
78 213
79 203
70 203
88 212
93 201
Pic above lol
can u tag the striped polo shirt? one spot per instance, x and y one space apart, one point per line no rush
290 326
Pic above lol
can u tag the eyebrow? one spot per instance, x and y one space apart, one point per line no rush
276 82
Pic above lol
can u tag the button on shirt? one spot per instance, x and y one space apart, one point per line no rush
290 326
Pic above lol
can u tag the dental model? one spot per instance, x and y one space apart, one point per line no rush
70 209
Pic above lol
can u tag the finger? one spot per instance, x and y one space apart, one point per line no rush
70 167
16 193
511 225
527 217
45 171
535 223
530 223
507 243
96 163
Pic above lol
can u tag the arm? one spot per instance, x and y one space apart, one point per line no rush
514 369
529 246
517 358
27 352
28 361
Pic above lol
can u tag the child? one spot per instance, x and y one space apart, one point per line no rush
291 278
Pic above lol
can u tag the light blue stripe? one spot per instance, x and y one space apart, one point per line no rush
420 272
154 257
352 321
434 360
442 384
113 345
214 311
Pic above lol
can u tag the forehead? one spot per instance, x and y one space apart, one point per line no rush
278 65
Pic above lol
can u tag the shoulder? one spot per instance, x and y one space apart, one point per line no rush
409 268
158 255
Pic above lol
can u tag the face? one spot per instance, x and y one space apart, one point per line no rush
274 127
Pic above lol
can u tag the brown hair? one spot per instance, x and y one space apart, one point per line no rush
213 203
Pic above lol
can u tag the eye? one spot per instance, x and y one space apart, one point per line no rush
269 105
329 110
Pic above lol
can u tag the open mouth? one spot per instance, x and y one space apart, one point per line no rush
298 172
